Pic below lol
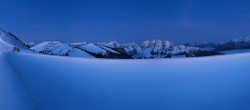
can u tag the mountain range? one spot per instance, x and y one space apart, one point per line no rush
147 49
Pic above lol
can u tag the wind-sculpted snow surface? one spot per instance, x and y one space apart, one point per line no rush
206 83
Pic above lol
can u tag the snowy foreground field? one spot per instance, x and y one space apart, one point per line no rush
32 81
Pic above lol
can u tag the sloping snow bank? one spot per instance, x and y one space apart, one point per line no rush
207 83
13 95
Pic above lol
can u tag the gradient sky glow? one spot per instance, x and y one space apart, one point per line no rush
126 20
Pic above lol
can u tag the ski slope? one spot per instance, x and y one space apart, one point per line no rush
205 83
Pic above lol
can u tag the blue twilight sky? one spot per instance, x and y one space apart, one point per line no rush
126 20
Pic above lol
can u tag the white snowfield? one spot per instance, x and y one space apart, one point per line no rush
206 83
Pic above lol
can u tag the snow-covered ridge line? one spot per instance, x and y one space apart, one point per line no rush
147 49
12 39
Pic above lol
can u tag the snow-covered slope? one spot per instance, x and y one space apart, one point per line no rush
52 47
109 49
126 49
164 84
93 49
12 39
59 48
100 50
13 94
4 46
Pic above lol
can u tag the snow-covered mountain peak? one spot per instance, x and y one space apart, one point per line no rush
156 44
113 44
242 39
47 45
59 48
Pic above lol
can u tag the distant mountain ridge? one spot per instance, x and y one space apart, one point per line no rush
147 49
113 49
237 43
